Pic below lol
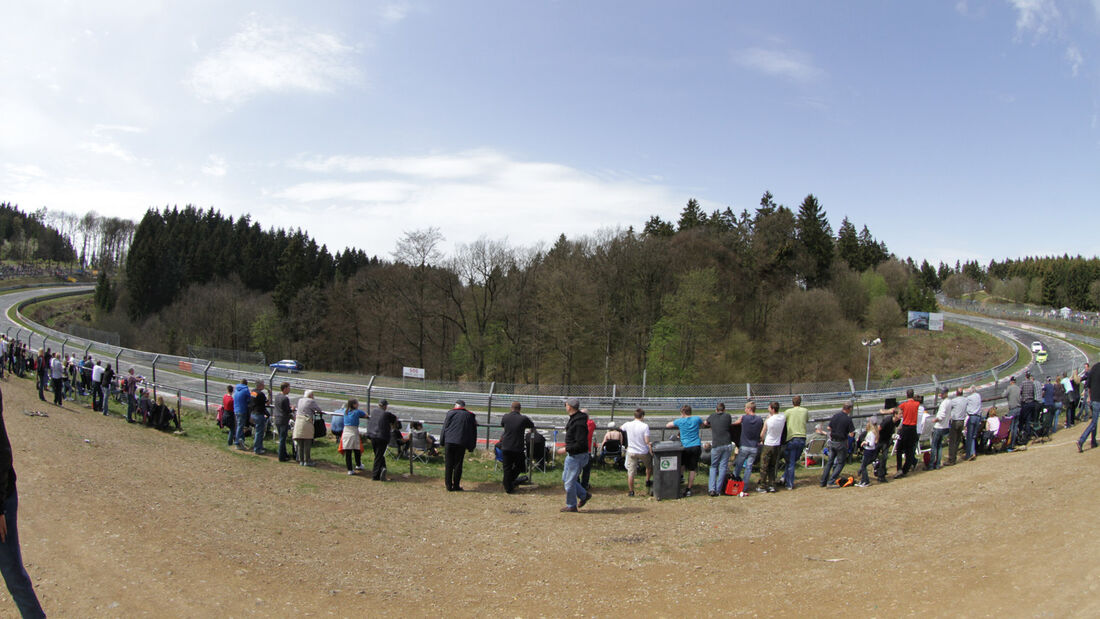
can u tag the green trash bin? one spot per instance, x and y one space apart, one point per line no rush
666 469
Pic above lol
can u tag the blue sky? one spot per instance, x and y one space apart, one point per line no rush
954 130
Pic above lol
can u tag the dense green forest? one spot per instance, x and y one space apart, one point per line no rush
712 297
1065 281
27 237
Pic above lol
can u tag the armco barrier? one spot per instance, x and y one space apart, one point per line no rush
611 400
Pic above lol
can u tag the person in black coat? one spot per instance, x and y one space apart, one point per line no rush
11 558
459 435
511 444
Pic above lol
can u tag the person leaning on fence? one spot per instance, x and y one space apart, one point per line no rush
752 428
241 397
514 424
458 436
257 404
721 448
281 418
769 454
98 399
380 427
131 395
688 425
639 451
229 420
1012 402
303 427
351 444
907 435
840 430
941 426
576 456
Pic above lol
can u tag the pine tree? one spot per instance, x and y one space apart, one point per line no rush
816 237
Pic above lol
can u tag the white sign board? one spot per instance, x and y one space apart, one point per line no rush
412 372
667 463
935 321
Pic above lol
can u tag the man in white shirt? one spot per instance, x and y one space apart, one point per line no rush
639 451
97 383
940 428
769 456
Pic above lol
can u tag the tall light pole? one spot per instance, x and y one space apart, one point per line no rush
869 344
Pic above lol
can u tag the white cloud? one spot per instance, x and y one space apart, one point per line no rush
395 12
102 130
215 166
1075 59
790 64
1035 16
111 149
269 56
467 195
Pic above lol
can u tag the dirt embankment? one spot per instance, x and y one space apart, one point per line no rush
119 520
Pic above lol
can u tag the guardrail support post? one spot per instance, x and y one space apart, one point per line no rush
370 386
206 387
118 366
489 414
748 391
17 332
155 359
63 346
614 393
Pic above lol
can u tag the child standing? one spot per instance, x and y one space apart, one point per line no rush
870 449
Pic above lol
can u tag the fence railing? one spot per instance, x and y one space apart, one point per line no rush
186 371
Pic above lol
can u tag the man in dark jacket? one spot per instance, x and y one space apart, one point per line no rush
11 558
576 456
281 418
511 444
459 435
380 426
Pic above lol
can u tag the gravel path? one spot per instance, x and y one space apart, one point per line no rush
122 521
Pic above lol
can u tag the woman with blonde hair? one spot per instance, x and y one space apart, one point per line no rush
303 427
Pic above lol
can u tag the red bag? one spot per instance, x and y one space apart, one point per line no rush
734 487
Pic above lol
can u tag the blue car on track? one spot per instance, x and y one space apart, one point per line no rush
287 365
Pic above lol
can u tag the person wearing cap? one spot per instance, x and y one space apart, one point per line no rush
515 424
940 428
458 436
1012 403
576 456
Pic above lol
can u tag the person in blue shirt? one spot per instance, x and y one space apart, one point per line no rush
351 444
689 438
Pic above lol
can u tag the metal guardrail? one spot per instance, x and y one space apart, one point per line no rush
611 401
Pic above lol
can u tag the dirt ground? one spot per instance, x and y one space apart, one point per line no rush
120 521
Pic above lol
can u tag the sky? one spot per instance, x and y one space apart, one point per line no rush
954 130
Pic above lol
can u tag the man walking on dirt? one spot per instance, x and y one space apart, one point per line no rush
458 436
576 456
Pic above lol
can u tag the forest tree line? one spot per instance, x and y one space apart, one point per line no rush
772 295
1055 282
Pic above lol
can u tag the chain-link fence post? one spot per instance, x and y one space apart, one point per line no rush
155 359
206 387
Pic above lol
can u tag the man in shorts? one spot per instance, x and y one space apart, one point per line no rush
689 438
639 451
